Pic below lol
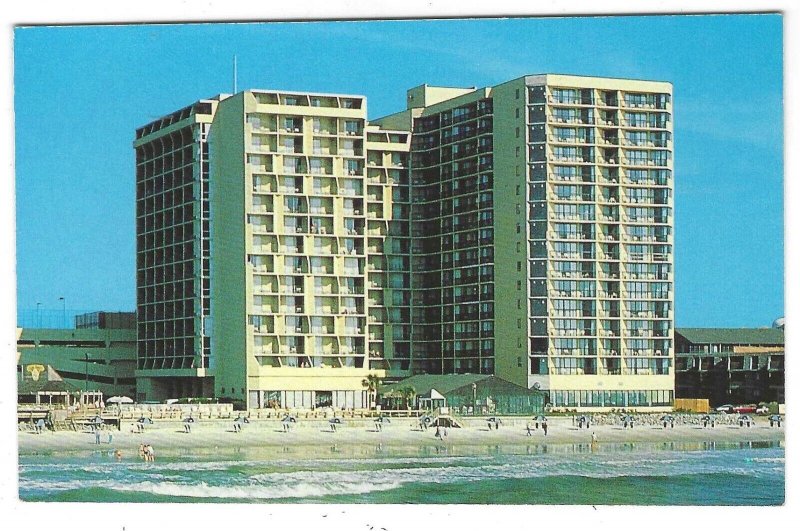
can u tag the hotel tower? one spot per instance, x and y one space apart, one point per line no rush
522 230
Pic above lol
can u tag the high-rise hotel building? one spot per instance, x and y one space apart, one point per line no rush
172 254
542 218
310 243
522 230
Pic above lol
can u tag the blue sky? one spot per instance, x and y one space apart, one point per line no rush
80 92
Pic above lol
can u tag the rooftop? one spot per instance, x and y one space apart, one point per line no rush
733 336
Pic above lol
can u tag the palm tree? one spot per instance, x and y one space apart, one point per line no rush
408 394
372 382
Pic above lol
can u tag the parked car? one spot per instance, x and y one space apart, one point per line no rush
750 408
727 408
762 410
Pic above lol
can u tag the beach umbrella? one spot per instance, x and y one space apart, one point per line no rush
120 400
773 419
145 420
335 420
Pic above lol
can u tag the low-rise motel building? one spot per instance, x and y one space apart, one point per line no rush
288 247
730 365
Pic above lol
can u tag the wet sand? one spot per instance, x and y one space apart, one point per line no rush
167 436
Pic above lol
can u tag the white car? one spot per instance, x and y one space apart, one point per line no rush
762 410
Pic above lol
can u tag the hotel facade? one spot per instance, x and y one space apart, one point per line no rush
522 230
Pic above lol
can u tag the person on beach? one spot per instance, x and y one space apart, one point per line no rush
497 424
444 432
110 437
141 450
438 433
97 436
544 427
151 455
117 454
528 429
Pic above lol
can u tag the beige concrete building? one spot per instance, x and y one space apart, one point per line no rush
542 236
309 239
522 230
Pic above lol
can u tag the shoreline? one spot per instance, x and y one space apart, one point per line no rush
308 438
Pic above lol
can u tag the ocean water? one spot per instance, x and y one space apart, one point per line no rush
628 474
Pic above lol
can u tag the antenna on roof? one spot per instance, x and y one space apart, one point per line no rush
235 89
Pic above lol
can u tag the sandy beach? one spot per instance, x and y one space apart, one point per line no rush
166 436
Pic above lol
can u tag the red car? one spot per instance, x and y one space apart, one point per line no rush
744 409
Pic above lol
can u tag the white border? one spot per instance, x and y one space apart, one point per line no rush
17 515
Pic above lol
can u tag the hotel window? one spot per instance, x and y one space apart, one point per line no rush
570 96
635 156
636 119
292 124
636 138
351 167
351 127
291 164
660 158
636 100
566 115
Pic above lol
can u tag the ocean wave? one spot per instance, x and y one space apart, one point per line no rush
297 490
768 459
296 479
